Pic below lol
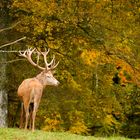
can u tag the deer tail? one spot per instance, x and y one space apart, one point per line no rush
32 95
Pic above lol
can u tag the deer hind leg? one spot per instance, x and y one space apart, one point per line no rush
21 116
31 113
26 108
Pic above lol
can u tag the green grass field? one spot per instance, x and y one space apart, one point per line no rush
17 134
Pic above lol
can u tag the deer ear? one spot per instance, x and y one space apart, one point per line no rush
53 71
43 72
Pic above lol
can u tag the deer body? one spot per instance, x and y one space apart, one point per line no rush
30 90
27 86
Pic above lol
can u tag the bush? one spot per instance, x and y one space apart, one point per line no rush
53 122
77 124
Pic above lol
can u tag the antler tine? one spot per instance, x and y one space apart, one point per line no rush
23 54
45 58
55 65
30 51
38 56
46 52
52 61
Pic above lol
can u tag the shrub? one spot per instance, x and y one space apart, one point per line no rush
53 122
77 123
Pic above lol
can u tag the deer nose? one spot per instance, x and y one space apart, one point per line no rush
58 82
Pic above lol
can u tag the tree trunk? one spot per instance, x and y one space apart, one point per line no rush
3 93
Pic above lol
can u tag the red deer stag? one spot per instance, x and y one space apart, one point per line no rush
30 90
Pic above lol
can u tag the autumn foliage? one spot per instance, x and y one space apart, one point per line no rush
97 43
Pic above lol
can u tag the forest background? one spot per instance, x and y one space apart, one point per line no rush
97 43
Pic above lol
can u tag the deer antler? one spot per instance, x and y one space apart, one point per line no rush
52 63
28 55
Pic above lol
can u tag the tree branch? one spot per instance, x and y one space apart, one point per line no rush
12 61
8 28
11 43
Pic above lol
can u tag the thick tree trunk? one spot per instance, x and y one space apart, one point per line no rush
3 109
3 93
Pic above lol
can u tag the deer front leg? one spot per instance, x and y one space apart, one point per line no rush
34 115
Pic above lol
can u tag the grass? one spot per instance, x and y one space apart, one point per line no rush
17 134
